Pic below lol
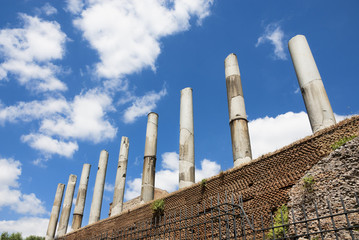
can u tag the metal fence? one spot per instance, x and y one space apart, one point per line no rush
227 219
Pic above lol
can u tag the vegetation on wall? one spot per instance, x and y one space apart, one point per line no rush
158 207
280 219
308 183
342 141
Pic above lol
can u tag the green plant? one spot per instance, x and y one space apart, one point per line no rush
280 219
342 141
203 183
158 207
308 182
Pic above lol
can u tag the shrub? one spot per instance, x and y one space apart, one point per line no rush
278 231
203 183
158 207
308 182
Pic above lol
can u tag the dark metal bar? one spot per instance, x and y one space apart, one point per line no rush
306 222
346 217
332 218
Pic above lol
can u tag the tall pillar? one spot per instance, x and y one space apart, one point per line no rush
238 122
66 207
95 211
149 163
316 101
50 234
81 197
186 150
117 203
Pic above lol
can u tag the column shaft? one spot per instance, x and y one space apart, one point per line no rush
81 197
316 100
50 234
66 207
186 149
241 147
117 203
149 163
95 212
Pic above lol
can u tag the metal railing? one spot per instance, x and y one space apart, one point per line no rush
227 219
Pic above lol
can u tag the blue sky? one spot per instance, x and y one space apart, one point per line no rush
77 75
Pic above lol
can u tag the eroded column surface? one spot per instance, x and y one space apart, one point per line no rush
117 203
186 149
50 234
149 163
81 197
66 207
238 122
96 204
316 101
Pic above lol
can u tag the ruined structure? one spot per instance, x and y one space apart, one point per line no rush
149 162
66 207
316 101
117 203
95 211
81 197
241 146
50 234
186 141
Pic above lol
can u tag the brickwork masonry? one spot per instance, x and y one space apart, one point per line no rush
264 183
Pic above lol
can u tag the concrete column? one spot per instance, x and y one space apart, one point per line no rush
50 234
95 211
66 207
81 197
238 122
316 101
186 150
149 163
117 203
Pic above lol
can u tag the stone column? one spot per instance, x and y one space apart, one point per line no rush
117 203
316 101
95 211
50 234
241 146
66 207
186 150
149 163
81 197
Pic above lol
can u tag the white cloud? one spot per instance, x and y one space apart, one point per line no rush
28 53
48 9
167 177
74 6
141 106
49 146
274 34
26 226
11 196
126 34
271 133
86 120
109 187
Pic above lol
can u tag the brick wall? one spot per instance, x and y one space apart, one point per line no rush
264 183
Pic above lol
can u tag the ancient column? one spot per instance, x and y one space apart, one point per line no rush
186 149
117 203
149 163
95 211
66 207
316 101
238 122
81 197
50 234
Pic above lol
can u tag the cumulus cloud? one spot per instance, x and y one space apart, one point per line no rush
11 196
28 52
271 133
109 187
27 226
48 9
274 35
141 106
167 177
49 146
126 34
